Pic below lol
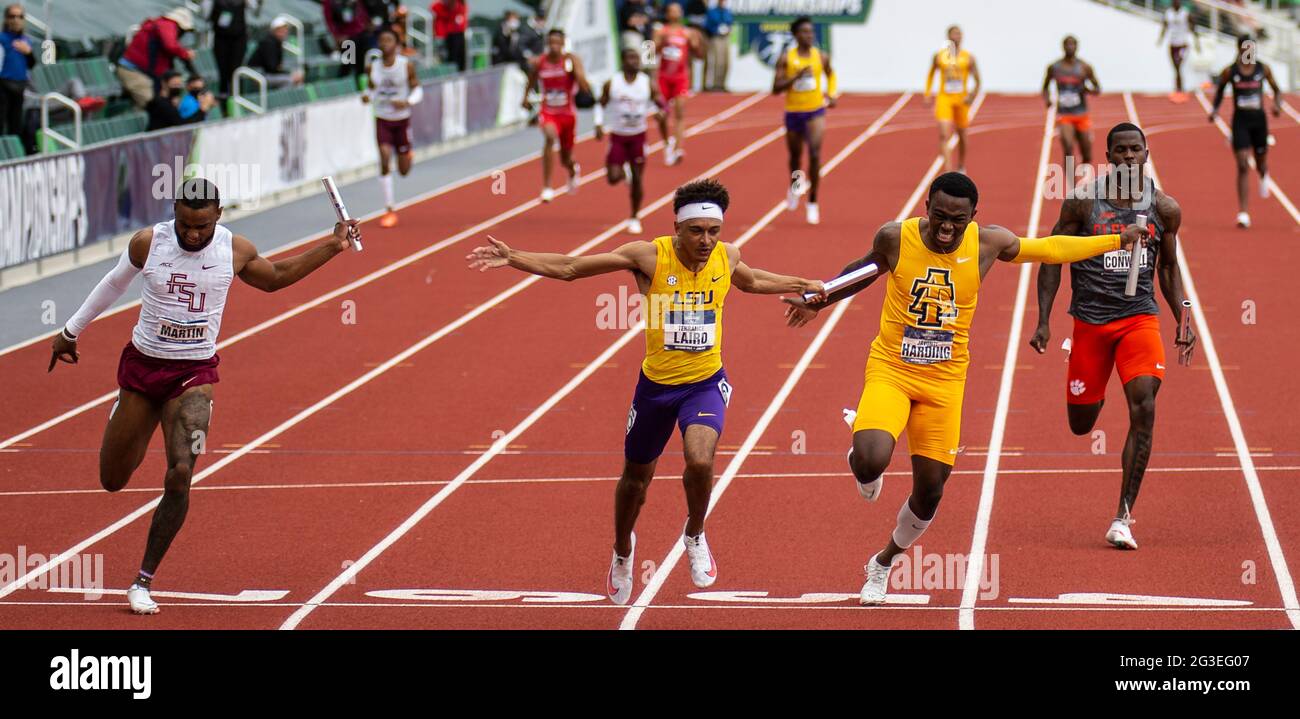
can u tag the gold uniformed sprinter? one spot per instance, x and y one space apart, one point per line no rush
799 75
955 66
916 373
684 279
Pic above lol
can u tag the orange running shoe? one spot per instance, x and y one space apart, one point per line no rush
388 220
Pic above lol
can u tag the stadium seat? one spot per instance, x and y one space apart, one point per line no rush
334 88
11 148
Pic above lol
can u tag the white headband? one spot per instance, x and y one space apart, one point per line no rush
707 210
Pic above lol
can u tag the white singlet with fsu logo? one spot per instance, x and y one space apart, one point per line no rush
184 295
388 84
630 102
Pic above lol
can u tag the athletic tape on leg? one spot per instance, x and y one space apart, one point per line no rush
910 527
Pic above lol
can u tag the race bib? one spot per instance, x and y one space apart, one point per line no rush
1069 98
557 98
1250 102
926 346
672 52
807 83
1118 260
690 330
954 86
178 332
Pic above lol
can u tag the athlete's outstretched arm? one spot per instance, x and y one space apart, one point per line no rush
1171 280
975 73
580 74
781 83
884 254
109 289
1056 249
269 276
636 256
761 282
1277 93
1073 219
1219 88
1090 76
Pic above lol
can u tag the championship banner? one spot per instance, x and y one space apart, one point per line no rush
769 39
821 11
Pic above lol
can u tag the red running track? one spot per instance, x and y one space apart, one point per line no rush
522 539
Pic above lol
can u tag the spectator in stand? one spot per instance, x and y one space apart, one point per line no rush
192 101
150 54
349 22
16 61
534 34
717 63
632 7
508 42
164 107
638 30
268 57
229 22
451 20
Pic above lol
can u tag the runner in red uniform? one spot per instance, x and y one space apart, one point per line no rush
560 72
676 45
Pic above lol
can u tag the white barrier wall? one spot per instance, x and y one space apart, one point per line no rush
1012 40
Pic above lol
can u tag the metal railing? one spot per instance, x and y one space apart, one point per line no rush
237 88
421 39
73 142
300 50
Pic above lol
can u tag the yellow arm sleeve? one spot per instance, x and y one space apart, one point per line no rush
929 80
832 85
1061 249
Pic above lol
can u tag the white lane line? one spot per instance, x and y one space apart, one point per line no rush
365 280
1052 471
344 578
984 514
1276 558
1273 187
368 376
665 567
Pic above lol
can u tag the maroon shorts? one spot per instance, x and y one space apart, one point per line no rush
395 133
626 148
564 127
162 380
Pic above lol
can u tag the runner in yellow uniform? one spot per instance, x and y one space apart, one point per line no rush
799 75
684 279
955 67
916 373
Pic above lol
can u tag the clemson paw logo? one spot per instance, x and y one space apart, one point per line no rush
1076 387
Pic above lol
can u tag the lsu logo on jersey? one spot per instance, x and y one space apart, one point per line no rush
933 298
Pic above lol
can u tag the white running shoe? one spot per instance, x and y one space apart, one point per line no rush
634 226
1243 219
573 179
1263 187
791 200
870 491
547 194
814 214
704 571
1120 535
619 583
141 602
877 584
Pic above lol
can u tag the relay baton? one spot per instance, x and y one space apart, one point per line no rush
839 283
1135 261
333 191
1184 322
